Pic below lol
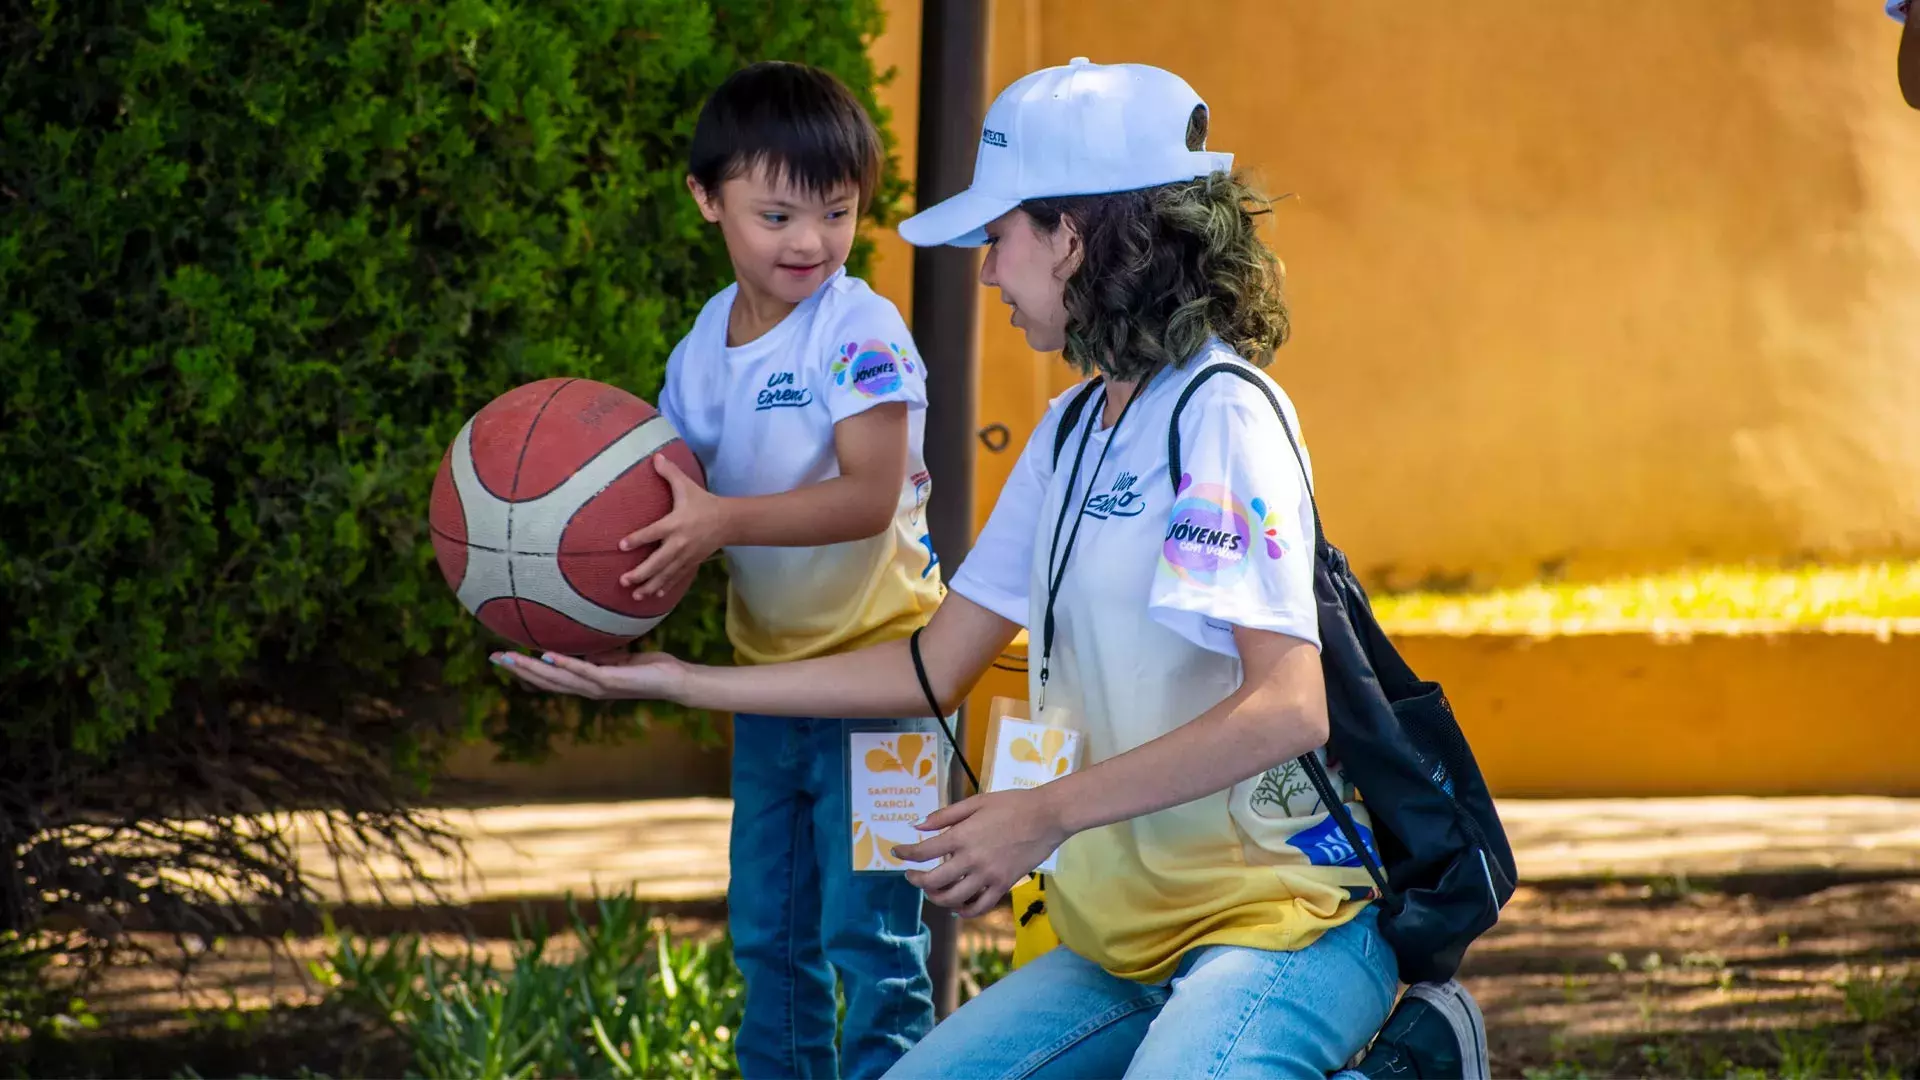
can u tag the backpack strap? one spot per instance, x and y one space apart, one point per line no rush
1316 772
1241 372
1070 419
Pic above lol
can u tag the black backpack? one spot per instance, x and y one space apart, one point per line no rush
1445 868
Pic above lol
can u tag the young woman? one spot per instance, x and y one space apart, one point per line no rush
1212 919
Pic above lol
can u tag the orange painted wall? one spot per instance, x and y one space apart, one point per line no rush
1579 289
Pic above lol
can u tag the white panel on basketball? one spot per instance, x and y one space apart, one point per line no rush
530 531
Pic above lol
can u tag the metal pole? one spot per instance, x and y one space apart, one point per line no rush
953 48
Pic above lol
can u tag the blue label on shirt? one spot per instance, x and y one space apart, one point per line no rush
1118 501
1324 844
782 393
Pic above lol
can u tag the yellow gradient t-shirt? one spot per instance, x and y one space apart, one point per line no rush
1160 574
760 418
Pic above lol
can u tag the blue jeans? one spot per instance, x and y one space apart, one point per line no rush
798 913
1228 1012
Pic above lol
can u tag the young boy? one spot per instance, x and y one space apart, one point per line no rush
801 393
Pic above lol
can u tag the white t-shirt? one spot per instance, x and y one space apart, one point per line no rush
760 418
1158 577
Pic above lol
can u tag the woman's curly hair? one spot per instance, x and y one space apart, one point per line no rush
1166 268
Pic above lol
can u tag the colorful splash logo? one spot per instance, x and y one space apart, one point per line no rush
1209 535
1269 528
873 367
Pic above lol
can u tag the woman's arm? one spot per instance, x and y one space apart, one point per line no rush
878 681
990 841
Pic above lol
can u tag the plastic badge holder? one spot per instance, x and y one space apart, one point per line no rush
896 777
1023 752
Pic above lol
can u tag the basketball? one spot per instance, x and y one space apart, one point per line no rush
530 504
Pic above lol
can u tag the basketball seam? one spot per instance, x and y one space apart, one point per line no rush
517 601
584 503
509 551
481 479
512 500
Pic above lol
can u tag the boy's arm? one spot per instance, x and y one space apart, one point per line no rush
872 450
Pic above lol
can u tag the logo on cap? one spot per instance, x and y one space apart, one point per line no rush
993 138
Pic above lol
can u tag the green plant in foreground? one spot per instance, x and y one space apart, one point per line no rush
1871 995
983 967
1559 1070
627 1001
1803 1054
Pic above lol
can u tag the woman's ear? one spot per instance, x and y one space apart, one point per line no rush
1069 251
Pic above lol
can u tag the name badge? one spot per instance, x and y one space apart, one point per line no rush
895 778
1025 753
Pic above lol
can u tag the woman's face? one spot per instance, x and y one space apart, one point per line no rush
1030 268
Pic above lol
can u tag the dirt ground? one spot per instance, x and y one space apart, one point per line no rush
1800 976
1688 979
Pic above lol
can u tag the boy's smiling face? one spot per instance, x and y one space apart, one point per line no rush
784 240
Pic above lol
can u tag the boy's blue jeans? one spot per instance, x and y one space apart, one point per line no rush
798 913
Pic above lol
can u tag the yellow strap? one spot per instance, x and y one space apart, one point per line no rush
1032 933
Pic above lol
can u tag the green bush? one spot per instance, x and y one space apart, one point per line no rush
623 1001
260 261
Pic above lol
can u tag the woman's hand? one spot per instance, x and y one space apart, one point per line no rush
986 843
647 676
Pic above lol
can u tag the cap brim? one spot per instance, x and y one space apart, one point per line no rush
960 221
1910 60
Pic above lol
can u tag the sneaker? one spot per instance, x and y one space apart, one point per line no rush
1435 1032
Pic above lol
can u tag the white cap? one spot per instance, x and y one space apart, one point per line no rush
1082 129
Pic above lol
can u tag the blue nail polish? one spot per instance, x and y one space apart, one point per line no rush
546 658
507 659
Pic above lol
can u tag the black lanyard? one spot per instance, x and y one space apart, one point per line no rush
1061 556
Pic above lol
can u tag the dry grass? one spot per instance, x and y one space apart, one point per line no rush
1873 597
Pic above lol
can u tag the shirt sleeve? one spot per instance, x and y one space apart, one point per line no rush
1239 543
670 405
872 360
998 572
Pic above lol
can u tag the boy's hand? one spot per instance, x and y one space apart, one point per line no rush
691 532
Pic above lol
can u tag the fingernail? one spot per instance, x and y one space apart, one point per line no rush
623 545
546 658
507 659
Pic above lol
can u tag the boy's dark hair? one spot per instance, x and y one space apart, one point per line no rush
1166 268
799 122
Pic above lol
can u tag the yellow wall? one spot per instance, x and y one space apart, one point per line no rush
1609 715
898 50
1578 289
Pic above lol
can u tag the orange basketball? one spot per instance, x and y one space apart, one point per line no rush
530 505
